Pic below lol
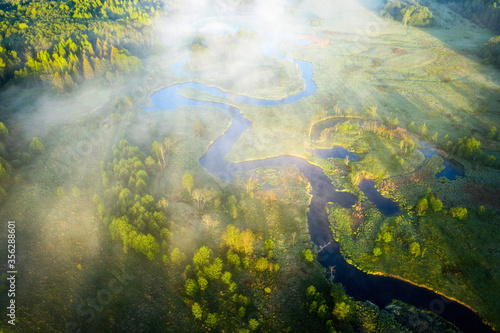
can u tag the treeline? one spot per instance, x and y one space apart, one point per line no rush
491 51
222 288
54 42
13 154
409 12
133 216
484 12
468 148
341 313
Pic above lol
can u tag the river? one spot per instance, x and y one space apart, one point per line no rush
380 290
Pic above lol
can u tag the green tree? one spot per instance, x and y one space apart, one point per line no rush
88 72
212 320
4 132
253 324
459 213
197 311
60 192
213 271
191 287
226 277
261 265
203 283
422 206
415 249
76 192
68 81
436 205
423 129
146 245
36 146
202 257
177 257
308 255
469 148
491 133
341 310
188 182
58 82
158 152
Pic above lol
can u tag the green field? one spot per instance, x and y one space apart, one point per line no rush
103 191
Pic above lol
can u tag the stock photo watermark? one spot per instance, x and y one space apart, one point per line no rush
11 277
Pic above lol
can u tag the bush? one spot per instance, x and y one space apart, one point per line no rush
459 213
308 255
409 12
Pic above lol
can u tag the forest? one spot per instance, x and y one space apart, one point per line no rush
251 166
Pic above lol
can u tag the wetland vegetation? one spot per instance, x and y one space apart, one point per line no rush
251 166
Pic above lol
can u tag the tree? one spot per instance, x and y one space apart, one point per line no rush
146 245
58 82
491 133
415 249
459 213
114 53
177 257
423 129
76 192
191 287
226 277
232 207
60 192
213 271
422 206
247 240
188 182
158 151
68 81
197 311
88 72
199 196
253 324
469 148
377 251
210 222
490 160
4 132
203 283
261 265
341 310
437 205
212 320
308 255
233 259
202 257
232 238
36 146
99 69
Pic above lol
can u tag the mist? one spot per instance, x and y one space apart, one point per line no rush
229 93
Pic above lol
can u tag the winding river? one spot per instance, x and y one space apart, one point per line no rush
362 286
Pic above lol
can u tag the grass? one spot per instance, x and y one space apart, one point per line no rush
457 258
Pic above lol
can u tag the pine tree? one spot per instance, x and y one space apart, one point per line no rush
76 72
99 69
114 53
68 80
58 82
88 73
